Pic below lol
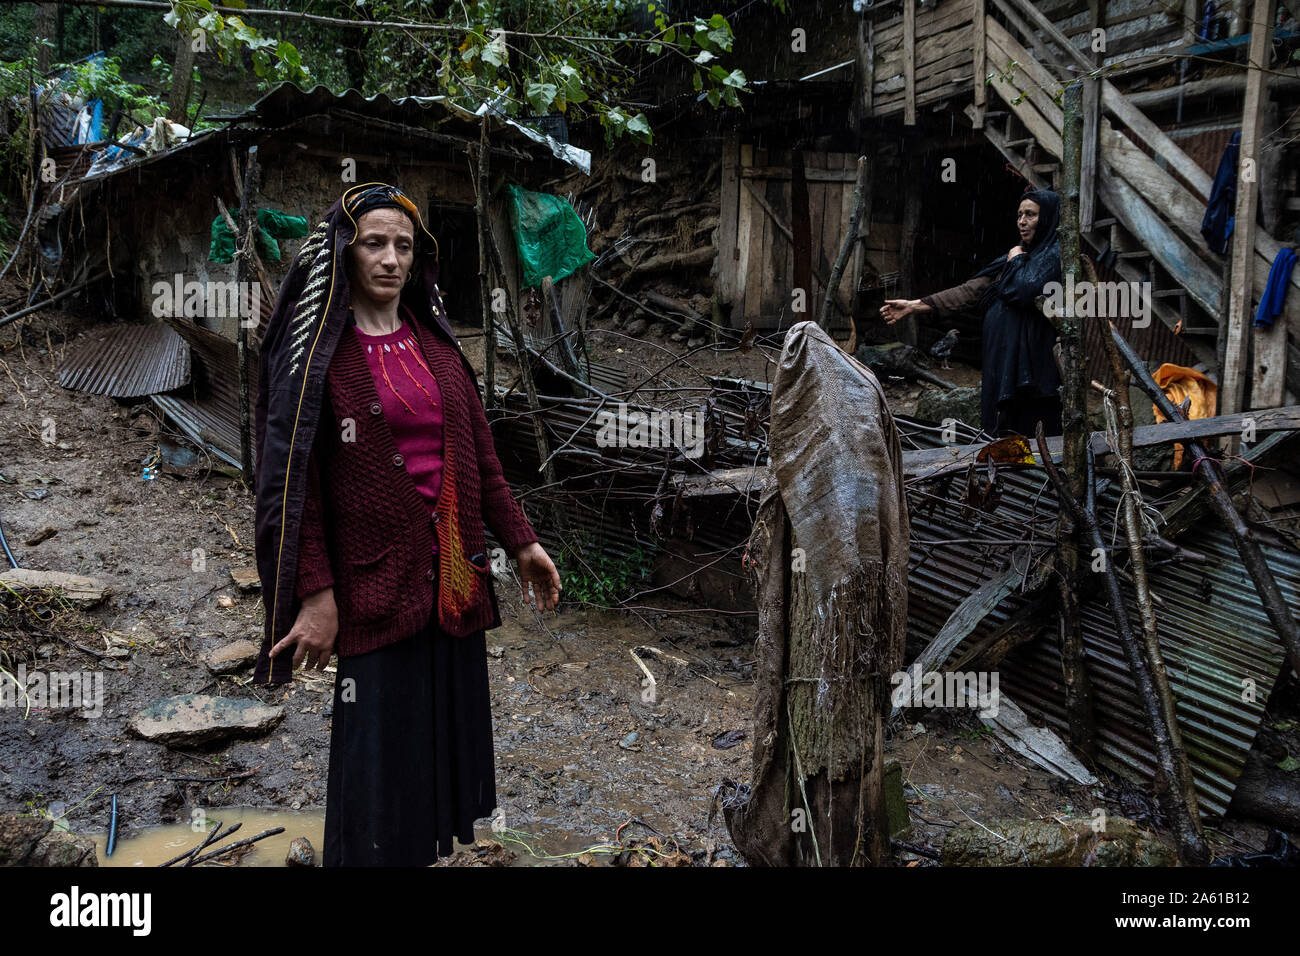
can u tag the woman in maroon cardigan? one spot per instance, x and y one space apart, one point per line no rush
401 478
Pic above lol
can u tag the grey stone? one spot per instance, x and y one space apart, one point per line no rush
636 327
59 848
937 404
194 719
19 836
301 853
232 657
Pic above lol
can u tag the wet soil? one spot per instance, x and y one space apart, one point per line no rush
585 744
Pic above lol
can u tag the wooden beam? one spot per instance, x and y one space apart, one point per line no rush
1039 19
981 55
866 67
909 62
1160 240
1232 390
927 463
1088 166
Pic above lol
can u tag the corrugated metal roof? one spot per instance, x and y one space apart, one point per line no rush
128 361
287 102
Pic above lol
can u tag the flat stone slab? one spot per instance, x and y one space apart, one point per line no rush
246 579
195 719
233 657
77 588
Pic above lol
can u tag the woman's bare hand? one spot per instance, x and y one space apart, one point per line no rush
314 631
1015 251
537 569
895 309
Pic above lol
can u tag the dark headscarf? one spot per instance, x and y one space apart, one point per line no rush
311 312
1042 260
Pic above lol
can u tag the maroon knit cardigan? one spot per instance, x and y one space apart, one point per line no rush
366 530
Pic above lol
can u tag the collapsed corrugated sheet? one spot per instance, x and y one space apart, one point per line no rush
208 411
1216 638
127 361
1213 632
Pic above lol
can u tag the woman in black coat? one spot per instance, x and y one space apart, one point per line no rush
1021 380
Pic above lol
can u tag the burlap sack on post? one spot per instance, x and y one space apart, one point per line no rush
830 546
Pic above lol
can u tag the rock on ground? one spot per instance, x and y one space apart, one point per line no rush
194 719
963 404
33 841
232 657
1049 843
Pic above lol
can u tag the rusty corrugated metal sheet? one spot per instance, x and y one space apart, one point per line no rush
128 361
208 410
1214 634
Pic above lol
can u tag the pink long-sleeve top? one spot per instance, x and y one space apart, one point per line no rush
412 403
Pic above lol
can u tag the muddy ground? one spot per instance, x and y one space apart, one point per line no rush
580 747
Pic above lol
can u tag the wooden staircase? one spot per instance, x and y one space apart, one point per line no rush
1150 196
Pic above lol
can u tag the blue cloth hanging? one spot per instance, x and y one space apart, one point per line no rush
1216 227
1274 297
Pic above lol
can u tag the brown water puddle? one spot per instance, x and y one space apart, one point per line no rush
155 845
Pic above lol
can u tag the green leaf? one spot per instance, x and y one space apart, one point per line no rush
735 78
1289 764
704 56
540 96
670 35
639 125
696 81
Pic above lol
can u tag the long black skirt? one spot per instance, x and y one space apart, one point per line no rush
411 760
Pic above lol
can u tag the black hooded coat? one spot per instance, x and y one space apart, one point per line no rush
1018 338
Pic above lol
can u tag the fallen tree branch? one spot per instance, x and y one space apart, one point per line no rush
1191 845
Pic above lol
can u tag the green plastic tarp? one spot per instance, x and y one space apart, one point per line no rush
272 225
548 234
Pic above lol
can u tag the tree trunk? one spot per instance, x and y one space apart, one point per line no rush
182 74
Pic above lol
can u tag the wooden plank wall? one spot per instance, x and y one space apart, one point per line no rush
760 277
944 64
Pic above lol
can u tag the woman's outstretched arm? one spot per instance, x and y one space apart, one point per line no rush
957 299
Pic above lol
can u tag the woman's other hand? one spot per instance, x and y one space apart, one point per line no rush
314 630
1015 251
895 309
537 569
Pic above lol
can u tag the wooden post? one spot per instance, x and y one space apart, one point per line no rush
1191 10
909 62
1233 389
981 63
243 279
1097 21
485 293
1078 691
864 77
1091 107
907 252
